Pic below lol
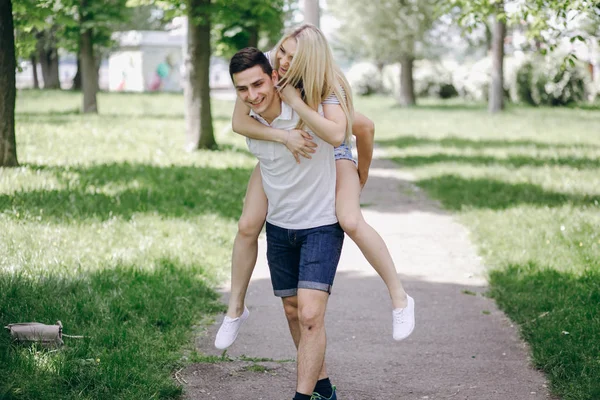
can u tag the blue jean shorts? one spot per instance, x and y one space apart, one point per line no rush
344 152
303 258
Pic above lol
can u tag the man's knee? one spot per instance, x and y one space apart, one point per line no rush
290 307
311 316
249 226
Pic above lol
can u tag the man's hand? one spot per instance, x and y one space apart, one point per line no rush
300 143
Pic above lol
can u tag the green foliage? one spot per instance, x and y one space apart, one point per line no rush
112 228
545 20
380 30
433 80
30 17
239 24
547 81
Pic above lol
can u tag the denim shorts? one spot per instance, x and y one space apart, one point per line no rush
303 258
344 152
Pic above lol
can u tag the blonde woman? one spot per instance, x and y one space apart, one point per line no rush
303 59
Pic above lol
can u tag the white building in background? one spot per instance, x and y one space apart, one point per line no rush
146 61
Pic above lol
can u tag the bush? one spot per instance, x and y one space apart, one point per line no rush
545 81
434 80
365 79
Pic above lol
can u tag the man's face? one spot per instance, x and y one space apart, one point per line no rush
256 88
285 54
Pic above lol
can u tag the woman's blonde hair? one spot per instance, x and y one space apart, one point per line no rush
314 71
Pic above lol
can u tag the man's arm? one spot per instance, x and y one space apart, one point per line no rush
364 130
298 142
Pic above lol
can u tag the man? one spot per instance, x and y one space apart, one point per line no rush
304 239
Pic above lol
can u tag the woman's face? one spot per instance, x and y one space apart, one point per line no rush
285 54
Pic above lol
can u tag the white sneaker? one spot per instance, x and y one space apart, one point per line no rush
404 320
229 330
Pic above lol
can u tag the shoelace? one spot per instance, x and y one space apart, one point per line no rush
398 317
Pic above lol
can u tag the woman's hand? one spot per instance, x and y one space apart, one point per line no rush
290 95
300 143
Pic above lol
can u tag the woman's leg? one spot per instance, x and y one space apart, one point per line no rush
366 238
245 246
243 259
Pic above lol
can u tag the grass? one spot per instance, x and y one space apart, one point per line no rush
527 184
112 228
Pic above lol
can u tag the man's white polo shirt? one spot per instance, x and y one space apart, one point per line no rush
300 196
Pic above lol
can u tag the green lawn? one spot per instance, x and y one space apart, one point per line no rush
527 184
112 228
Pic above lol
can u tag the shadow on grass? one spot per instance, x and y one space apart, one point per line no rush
448 106
103 191
66 116
135 323
411 141
456 192
559 316
510 161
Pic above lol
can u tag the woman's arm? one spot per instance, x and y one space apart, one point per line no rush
331 128
245 125
364 130
298 142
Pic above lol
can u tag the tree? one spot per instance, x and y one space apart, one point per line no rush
542 17
8 65
243 23
47 55
89 76
386 32
198 116
35 40
496 90
312 12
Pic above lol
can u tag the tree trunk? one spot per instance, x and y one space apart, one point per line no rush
253 36
407 87
198 116
48 56
36 80
312 12
496 95
77 78
8 66
88 67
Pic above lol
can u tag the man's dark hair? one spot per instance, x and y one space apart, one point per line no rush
248 58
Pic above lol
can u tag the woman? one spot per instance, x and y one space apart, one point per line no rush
304 60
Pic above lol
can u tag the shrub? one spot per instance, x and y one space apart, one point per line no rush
547 81
434 80
365 79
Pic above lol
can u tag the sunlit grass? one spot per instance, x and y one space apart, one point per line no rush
527 184
110 226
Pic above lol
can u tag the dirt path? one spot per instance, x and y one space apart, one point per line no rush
462 347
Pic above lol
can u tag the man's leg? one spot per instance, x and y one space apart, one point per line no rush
313 341
290 306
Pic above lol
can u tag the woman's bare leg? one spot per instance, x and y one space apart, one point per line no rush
366 238
245 246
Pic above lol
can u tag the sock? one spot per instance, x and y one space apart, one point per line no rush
323 387
300 396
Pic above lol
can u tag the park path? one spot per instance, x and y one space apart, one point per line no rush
463 347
